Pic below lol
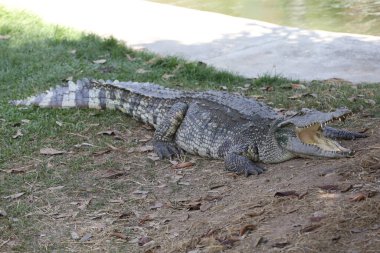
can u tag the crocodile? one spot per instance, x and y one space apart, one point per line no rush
240 130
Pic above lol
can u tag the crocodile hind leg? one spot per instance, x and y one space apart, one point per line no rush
341 134
163 144
240 160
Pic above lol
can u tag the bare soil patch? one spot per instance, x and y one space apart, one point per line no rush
124 199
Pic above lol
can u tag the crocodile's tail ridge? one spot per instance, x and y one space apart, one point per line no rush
84 93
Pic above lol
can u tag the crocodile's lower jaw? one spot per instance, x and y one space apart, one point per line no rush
313 135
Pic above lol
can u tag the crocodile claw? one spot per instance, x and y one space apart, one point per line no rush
253 169
166 149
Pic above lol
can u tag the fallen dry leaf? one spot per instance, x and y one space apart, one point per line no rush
298 86
145 219
184 217
100 61
19 170
227 242
111 146
61 215
142 71
130 58
192 206
101 152
74 235
328 187
116 201
291 210
287 194
141 149
280 244
84 204
255 214
267 88
67 79
257 96
14 196
372 193
3 213
358 197
5 37
205 206
156 206
108 132
346 188
210 197
296 96
86 237
356 230
317 218
84 144
300 95
153 156
182 165
310 228
144 240
352 98
112 174
370 101
260 240
184 183
126 215
119 235
25 121
144 149
51 151
303 194
167 76
140 192
56 188
216 186
246 229
18 134
375 167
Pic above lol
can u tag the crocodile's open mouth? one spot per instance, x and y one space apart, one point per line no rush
313 135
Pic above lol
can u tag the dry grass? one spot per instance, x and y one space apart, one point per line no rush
125 200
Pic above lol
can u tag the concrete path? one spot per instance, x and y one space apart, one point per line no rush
243 46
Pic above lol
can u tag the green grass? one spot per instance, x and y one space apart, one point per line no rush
36 56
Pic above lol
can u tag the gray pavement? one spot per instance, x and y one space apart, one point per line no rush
248 47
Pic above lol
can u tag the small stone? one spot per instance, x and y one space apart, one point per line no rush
3 213
86 237
74 235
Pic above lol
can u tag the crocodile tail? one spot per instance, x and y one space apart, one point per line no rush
82 94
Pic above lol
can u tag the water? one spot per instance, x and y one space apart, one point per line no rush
351 16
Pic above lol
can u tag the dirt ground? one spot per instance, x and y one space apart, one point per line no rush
147 205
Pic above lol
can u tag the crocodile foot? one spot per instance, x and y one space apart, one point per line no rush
242 165
166 149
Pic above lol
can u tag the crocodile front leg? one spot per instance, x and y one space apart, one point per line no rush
163 144
240 159
341 134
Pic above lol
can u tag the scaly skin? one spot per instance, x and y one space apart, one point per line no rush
220 125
